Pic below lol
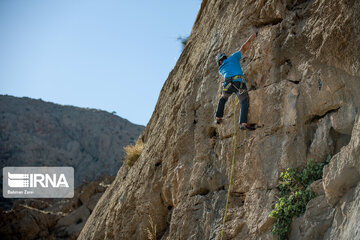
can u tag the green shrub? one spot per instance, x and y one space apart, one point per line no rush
133 152
294 195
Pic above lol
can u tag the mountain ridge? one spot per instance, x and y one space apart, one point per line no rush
38 133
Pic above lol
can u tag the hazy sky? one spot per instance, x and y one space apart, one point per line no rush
112 55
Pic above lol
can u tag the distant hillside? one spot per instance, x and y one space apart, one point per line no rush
38 133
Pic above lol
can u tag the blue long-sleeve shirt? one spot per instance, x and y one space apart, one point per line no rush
231 67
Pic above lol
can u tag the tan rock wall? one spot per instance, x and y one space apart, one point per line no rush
304 78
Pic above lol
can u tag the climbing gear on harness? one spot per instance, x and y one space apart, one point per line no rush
221 56
229 81
227 86
231 172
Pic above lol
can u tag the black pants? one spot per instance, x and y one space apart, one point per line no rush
241 92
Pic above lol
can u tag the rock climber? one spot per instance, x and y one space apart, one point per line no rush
230 69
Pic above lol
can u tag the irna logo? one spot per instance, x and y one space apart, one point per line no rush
38 182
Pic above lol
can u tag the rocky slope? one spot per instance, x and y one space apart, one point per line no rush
303 73
52 218
38 133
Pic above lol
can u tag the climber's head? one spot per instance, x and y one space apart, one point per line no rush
220 58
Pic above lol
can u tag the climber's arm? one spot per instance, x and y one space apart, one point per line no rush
247 44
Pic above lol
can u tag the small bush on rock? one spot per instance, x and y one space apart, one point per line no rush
294 195
133 152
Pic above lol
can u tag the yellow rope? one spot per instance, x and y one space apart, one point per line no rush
231 172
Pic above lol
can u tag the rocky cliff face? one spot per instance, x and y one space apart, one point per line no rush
303 72
38 133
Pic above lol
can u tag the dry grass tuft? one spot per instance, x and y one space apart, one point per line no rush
151 231
133 152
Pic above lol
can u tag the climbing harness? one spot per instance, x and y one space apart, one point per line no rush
231 172
229 81
235 77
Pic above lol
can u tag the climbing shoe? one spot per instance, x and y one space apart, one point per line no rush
245 126
218 120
